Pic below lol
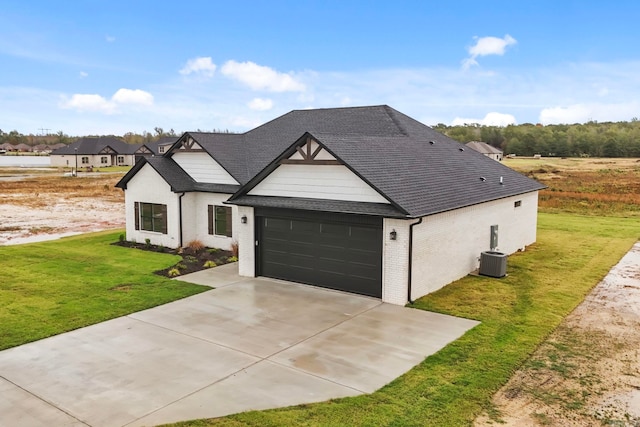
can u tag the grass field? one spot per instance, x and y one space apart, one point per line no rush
585 186
51 287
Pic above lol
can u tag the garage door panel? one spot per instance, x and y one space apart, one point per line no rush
364 257
333 253
277 224
362 271
332 231
304 227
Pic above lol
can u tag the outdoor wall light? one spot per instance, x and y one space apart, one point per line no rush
243 219
393 235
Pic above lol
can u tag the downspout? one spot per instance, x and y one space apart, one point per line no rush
180 217
411 260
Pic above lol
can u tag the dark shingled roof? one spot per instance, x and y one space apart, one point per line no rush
360 208
429 174
483 147
420 171
176 177
95 144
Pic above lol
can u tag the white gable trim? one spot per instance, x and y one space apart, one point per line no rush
322 154
332 182
203 168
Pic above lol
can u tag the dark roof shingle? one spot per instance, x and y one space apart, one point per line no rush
420 171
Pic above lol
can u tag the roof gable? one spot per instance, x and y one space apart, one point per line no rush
417 170
202 167
298 172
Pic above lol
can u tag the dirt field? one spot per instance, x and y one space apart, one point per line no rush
587 373
37 206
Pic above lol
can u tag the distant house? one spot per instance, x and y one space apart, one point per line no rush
100 151
486 149
22 147
162 145
362 199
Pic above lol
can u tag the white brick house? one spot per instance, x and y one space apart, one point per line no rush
364 200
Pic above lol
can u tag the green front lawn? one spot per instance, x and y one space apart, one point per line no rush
52 287
452 387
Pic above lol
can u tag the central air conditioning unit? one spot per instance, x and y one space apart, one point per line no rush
493 264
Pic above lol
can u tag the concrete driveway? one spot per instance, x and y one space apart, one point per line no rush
248 344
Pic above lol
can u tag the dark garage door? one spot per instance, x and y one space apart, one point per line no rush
341 252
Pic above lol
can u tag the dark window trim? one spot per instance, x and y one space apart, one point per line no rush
216 224
517 203
151 213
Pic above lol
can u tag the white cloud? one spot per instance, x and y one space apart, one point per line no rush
201 65
487 46
89 102
110 39
260 104
491 119
97 103
581 113
259 77
83 74
132 96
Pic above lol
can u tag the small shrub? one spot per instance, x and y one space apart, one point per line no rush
147 243
181 266
234 249
209 264
195 245
161 248
173 272
232 259
213 250
121 238
190 259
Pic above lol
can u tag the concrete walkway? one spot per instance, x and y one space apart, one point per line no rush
248 344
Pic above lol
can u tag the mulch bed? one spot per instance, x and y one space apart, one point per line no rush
192 260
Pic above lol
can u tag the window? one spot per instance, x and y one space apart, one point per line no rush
161 149
151 217
103 160
85 160
120 159
220 220
517 203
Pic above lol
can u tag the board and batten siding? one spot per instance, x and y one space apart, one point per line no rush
203 168
147 186
332 182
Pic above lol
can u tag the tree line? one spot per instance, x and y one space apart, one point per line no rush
591 139
14 137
